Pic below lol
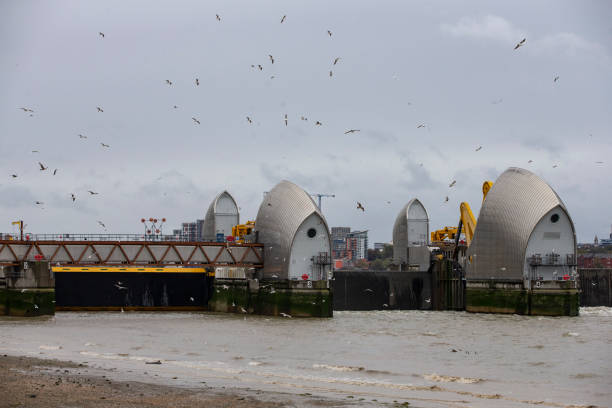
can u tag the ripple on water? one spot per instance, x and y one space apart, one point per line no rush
450 378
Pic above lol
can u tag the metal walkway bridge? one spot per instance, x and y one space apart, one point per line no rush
77 250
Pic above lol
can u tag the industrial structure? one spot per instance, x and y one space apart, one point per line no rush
165 272
295 278
411 237
523 255
518 257
221 216
295 234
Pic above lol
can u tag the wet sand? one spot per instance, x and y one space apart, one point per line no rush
33 382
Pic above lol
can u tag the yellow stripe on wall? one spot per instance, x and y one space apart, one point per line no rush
57 269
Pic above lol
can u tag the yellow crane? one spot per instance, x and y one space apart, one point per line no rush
239 231
444 233
20 223
467 221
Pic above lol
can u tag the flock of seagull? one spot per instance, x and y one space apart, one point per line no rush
250 120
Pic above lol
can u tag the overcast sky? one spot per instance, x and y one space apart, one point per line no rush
448 65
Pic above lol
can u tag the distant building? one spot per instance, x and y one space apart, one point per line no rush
595 261
596 241
379 246
338 236
359 244
189 231
349 246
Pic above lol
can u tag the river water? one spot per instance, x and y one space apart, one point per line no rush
430 359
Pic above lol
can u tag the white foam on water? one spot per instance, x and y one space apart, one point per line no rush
449 378
596 311
337 368
255 363
46 347
571 334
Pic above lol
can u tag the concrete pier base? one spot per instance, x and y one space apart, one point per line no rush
272 297
511 297
27 302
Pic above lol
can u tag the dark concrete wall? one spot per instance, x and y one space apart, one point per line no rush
595 287
272 297
27 302
378 290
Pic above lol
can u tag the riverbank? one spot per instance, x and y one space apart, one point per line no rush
34 382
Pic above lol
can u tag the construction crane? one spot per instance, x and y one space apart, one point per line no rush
444 233
240 231
467 221
319 195
20 223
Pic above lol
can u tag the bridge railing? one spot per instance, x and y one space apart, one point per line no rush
102 237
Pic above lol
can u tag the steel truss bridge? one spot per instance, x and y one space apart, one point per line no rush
126 253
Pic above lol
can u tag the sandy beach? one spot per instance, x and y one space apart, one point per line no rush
33 382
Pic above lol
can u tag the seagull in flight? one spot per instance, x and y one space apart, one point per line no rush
318 123
119 286
421 126
104 145
556 78
446 199
336 60
99 109
452 183
329 32
26 110
102 224
101 34
42 166
169 82
351 131
283 19
555 166
39 203
285 315
520 43
82 136
196 121
92 192
249 119
54 172
271 58
73 197
286 120
360 207
331 74
197 81
479 148
218 18
260 67
530 161
14 176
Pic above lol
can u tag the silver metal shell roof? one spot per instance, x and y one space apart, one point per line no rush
283 210
209 228
510 212
400 231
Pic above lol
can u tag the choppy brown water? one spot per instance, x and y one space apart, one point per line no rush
432 359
